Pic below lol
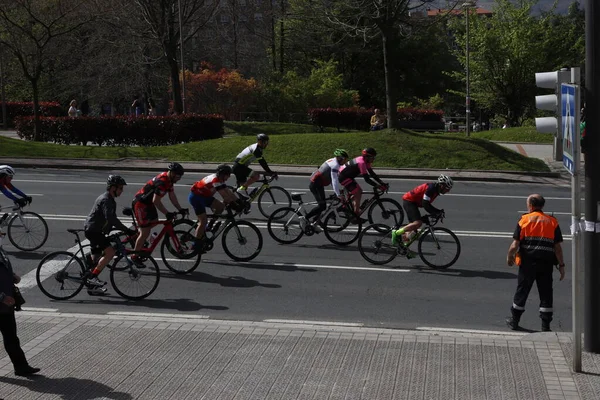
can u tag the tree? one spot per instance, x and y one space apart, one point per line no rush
31 29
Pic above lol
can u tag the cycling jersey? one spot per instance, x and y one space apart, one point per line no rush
103 216
8 189
354 168
248 155
208 186
159 185
328 174
426 191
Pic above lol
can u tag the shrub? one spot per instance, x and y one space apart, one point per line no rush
123 130
348 118
418 114
15 110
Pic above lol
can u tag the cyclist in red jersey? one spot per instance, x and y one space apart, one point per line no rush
202 195
149 199
421 196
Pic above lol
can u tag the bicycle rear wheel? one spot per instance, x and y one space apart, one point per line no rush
180 258
134 282
375 244
339 228
242 241
272 199
27 231
386 211
439 248
60 275
284 226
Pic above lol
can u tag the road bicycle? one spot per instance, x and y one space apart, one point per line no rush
176 252
345 225
61 275
287 224
438 247
269 197
26 230
241 240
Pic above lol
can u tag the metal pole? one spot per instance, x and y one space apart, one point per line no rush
182 66
591 242
468 100
576 232
2 93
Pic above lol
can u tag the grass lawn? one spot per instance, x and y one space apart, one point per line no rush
240 128
521 134
401 149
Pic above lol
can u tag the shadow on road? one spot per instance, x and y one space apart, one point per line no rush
67 388
465 273
166 304
26 255
286 268
227 281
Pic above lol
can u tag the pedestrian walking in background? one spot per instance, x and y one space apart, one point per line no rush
536 248
8 323
73 109
137 107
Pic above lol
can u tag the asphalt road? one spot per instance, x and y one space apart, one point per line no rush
313 280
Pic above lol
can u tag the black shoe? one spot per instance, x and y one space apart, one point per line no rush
512 323
546 326
27 371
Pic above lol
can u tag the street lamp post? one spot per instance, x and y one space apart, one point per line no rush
467 7
182 66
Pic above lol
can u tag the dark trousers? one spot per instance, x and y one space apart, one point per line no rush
541 273
319 192
8 326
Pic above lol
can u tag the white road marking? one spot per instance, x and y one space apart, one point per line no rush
317 266
307 322
475 331
40 309
157 315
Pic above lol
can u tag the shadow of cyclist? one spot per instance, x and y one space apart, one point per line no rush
226 281
164 304
465 273
66 388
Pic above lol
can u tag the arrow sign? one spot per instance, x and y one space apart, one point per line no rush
570 126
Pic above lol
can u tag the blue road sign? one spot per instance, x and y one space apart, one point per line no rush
570 126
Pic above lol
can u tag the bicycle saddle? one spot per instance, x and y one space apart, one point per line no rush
75 231
297 196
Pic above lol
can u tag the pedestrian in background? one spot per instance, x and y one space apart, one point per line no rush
536 248
8 323
137 107
73 109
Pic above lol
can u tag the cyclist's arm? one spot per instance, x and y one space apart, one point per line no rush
110 213
227 195
430 208
263 163
335 183
373 175
15 190
8 193
157 201
173 198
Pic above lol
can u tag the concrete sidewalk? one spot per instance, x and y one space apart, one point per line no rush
133 356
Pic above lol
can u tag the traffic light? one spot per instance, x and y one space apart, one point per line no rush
551 102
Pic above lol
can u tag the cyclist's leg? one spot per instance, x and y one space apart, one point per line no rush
414 218
145 214
199 204
318 191
99 243
353 188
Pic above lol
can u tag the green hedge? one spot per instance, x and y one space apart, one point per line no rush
124 131
360 118
15 110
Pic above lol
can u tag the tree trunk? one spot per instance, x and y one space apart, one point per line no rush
390 98
174 70
37 125
281 36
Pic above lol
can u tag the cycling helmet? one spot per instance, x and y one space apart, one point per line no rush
224 169
446 181
115 180
262 136
176 168
7 170
369 151
340 153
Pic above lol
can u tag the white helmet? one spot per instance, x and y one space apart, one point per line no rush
446 181
7 170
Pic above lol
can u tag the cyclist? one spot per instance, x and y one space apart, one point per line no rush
243 174
325 175
100 221
421 196
202 195
149 199
6 175
360 166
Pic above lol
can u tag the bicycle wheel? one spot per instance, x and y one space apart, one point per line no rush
375 244
439 248
242 241
27 231
60 275
182 258
284 226
272 199
134 282
339 229
386 211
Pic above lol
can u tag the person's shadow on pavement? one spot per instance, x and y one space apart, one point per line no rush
67 388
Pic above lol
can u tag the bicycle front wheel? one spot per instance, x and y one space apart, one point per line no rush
272 199
134 282
179 255
284 226
27 231
375 244
439 248
242 241
386 211
339 228
60 275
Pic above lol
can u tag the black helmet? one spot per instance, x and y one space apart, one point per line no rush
224 169
369 151
176 168
115 180
262 136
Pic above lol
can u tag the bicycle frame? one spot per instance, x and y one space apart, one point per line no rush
9 215
427 225
347 201
265 185
167 229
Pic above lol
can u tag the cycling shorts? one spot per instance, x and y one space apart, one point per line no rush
199 203
412 211
241 172
351 185
145 214
98 241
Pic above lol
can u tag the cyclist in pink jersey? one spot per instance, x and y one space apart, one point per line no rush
421 197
